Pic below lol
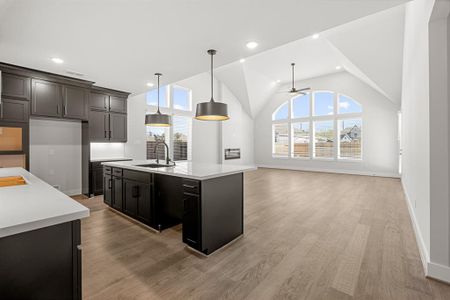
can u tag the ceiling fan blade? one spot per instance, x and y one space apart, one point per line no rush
304 89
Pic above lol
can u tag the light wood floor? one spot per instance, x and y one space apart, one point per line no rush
307 236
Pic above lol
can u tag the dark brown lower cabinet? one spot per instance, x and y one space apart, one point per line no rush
42 264
191 220
107 189
117 191
138 201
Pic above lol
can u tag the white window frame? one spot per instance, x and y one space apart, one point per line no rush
178 113
311 119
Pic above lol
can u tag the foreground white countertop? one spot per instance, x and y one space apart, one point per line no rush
186 169
34 205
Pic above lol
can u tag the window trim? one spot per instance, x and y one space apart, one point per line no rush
311 119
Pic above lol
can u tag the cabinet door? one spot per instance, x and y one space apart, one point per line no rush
15 86
14 110
107 189
117 104
99 101
75 102
118 127
191 221
117 192
46 98
131 193
97 181
145 203
98 126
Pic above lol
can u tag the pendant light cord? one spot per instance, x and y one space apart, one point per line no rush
212 77
157 74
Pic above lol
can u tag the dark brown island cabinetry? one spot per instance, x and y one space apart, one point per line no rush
210 210
107 116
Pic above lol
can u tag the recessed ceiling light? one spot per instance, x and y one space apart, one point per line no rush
150 84
278 81
252 45
338 67
315 36
57 60
242 60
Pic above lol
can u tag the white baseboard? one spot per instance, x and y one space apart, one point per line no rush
339 171
72 192
439 272
424 256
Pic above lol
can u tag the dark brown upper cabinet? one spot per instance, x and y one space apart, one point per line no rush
75 102
46 98
99 101
117 127
98 126
16 86
117 104
12 110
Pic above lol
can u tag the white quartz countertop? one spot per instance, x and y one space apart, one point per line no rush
97 159
34 205
186 169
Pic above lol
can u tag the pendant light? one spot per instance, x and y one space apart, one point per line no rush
158 119
212 110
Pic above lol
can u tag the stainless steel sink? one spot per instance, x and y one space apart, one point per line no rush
154 165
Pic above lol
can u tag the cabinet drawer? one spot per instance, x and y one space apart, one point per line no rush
191 186
107 170
138 176
117 172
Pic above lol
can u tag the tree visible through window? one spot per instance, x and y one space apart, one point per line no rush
320 124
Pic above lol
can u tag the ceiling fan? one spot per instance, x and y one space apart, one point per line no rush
294 90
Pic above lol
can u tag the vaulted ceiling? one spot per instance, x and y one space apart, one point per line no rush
120 44
370 48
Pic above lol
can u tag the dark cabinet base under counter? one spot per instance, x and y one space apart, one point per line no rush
211 210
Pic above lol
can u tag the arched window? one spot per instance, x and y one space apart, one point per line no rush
318 125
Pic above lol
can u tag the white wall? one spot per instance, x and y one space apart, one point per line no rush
107 150
55 153
416 120
135 147
380 144
209 139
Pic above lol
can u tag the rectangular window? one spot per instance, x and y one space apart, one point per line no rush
181 98
152 97
155 134
280 139
324 139
350 138
181 137
300 139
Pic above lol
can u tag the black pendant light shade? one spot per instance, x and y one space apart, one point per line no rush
212 110
158 119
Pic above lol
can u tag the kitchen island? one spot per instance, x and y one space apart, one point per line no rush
40 253
208 199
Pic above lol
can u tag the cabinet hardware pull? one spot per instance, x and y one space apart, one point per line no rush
1 110
110 134
110 184
189 186
57 109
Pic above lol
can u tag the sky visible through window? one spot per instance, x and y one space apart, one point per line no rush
323 103
180 98
300 106
152 97
282 113
348 105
